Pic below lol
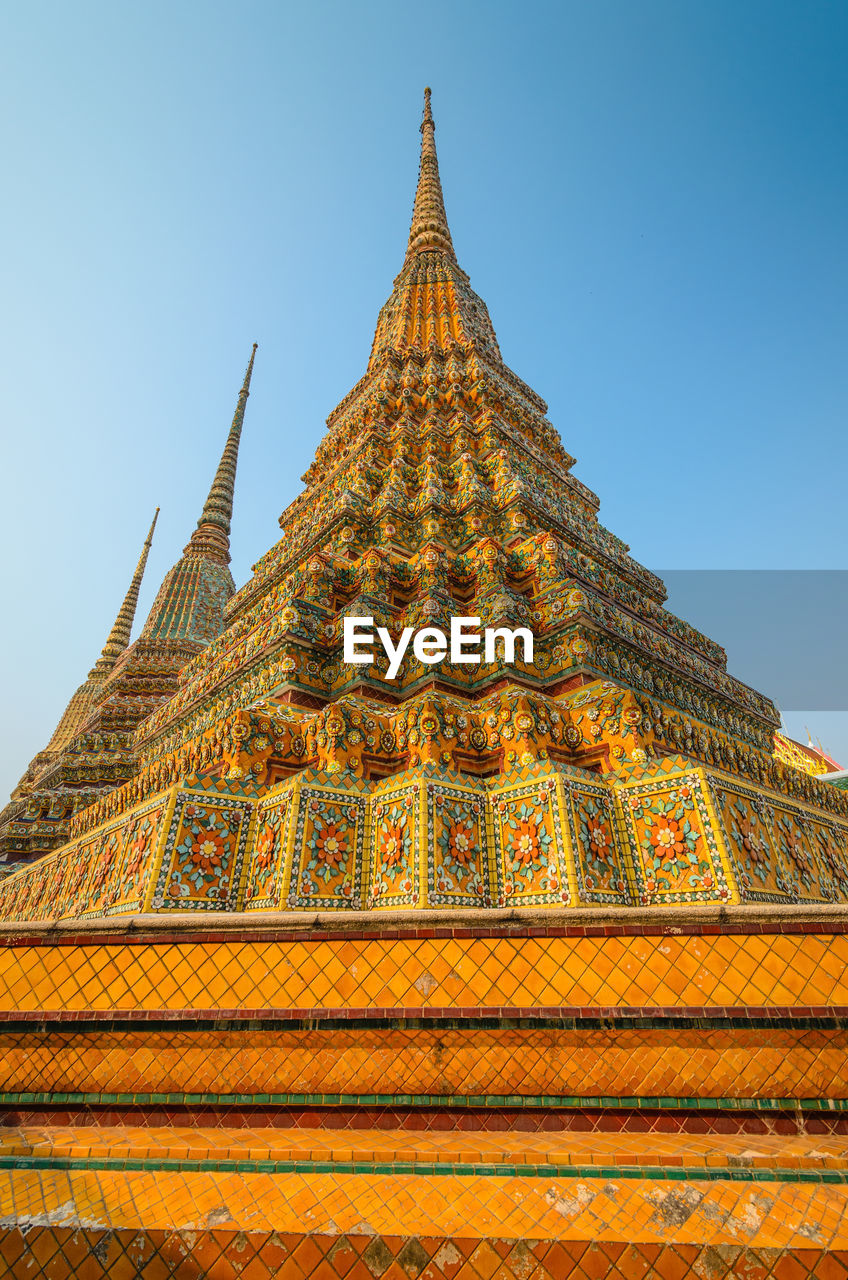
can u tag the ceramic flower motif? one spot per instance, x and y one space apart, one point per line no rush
833 859
394 847
103 887
266 852
594 828
457 869
797 857
329 850
138 845
527 844
674 854
203 856
751 845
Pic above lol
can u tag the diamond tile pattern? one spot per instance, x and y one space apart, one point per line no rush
59 1252
87 1223
390 972
786 1122
246 1063
382 1146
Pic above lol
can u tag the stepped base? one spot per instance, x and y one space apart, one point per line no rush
502 1098
134 1200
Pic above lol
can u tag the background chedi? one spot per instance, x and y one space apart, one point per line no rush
256 770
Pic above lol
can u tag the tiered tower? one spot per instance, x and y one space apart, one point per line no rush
515 968
28 824
92 748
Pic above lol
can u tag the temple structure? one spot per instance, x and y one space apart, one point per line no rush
516 968
809 759
92 749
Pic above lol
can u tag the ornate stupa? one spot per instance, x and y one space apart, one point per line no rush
93 747
530 966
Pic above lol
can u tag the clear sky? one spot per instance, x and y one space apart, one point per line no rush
651 195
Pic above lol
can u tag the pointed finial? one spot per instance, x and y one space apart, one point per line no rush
212 535
429 230
149 539
119 636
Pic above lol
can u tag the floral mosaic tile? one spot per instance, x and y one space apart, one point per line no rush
328 853
266 868
747 829
203 856
107 874
395 879
600 861
795 840
530 836
458 866
674 848
781 853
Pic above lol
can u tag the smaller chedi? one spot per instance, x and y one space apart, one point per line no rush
92 749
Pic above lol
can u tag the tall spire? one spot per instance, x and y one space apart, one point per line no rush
119 636
429 228
212 534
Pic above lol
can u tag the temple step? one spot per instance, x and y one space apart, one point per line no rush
377 1150
254 1202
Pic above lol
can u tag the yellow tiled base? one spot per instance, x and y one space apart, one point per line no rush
472 1224
567 1148
476 1205
660 1211
657 970
58 1253
725 1063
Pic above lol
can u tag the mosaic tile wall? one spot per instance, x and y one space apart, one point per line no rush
546 835
402 1226
194 1091
585 1101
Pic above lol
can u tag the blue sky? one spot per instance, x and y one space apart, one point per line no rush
651 196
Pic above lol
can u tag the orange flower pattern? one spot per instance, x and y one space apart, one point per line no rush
529 853
796 853
396 870
678 858
831 855
456 874
265 869
747 822
330 840
599 872
207 844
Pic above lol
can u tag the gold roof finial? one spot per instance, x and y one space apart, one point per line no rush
213 527
429 231
119 636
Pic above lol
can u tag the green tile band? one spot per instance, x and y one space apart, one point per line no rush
653 1173
440 1101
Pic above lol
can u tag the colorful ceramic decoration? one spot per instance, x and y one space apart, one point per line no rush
503 970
